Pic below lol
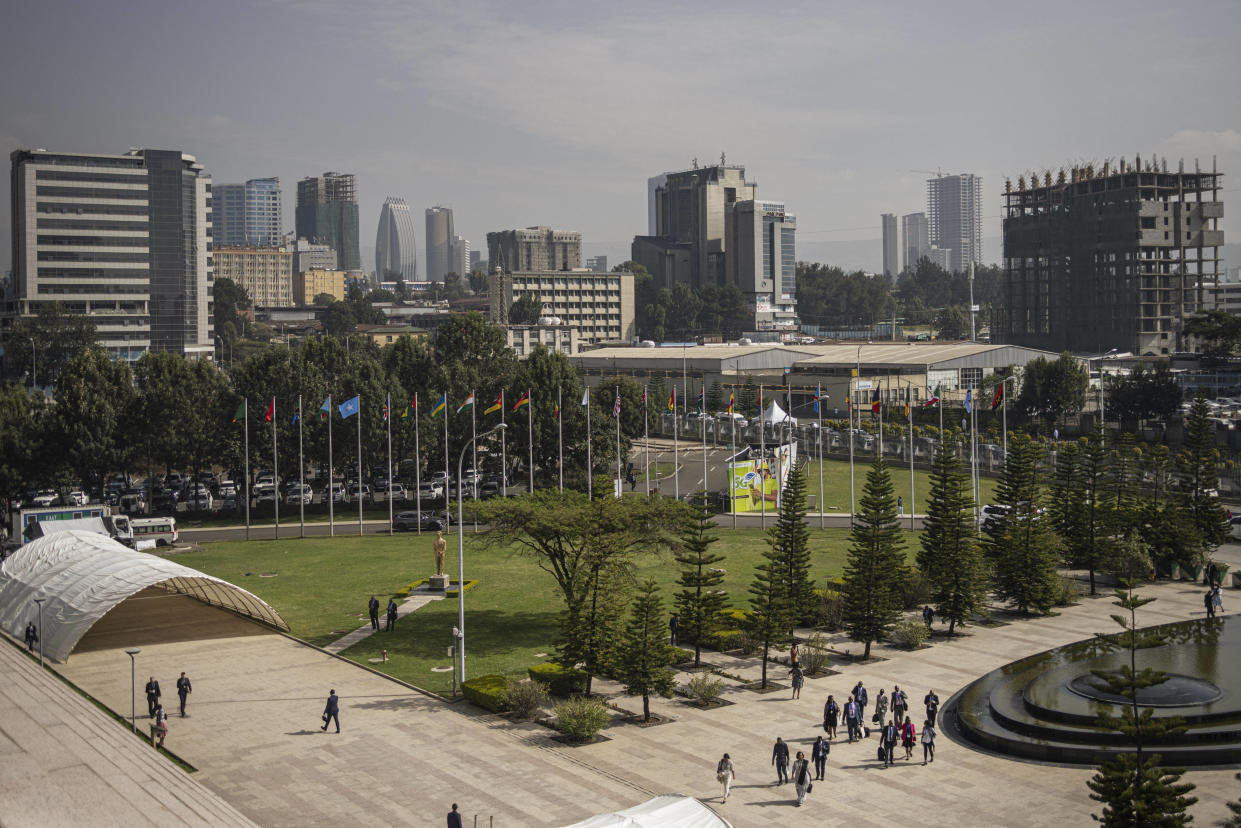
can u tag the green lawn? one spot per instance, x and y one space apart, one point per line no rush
836 484
321 586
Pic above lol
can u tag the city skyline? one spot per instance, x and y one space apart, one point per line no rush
505 159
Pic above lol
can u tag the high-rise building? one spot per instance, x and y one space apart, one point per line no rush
396 252
265 272
122 239
247 215
439 236
535 249
327 213
916 239
597 264
954 210
1117 257
476 259
600 306
310 256
893 245
762 260
459 256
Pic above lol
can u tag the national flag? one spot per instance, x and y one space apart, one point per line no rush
497 405
411 409
349 407
874 401
702 400
933 399
385 412
616 406
818 395
998 398
271 411
524 401
732 398
672 401
908 401
556 410
469 403
297 415
440 406
240 413
969 400
848 401
325 410
586 396
644 400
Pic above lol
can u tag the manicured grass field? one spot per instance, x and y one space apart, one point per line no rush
836 484
321 586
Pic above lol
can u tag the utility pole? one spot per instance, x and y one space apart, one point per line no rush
973 333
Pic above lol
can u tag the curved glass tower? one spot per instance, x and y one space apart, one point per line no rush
395 248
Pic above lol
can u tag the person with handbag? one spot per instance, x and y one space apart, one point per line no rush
928 742
881 708
908 738
802 780
725 775
831 715
332 711
818 753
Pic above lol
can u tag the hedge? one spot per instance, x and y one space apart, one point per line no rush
680 655
488 692
725 640
560 680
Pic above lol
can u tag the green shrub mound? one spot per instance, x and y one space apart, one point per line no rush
560 680
525 698
909 634
581 717
488 692
680 655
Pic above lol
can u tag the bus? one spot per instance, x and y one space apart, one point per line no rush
161 531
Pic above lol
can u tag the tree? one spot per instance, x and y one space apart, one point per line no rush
525 310
769 610
875 567
93 398
322 300
22 460
1021 544
338 319
380 295
1050 390
790 540
39 347
1134 788
478 281
949 556
700 601
1198 468
229 300
1217 334
644 659
1082 511
952 322
1144 394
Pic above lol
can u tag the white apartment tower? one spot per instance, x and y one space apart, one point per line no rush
954 209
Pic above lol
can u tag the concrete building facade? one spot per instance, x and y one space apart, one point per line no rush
690 207
122 239
438 240
459 256
1117 257
762 260
247 215
534 249
599 306
265 272
396 251
597 264
310 256
525 338
310 283
327 213
954 211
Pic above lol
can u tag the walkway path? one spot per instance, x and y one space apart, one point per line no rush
418 599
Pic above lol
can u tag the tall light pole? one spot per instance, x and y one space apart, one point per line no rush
133 688
461 550
40 601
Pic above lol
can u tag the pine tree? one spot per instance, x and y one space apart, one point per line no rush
769 610
716 399
1134 788
700 601
949 556
1082 509
747 398
1198 466
875 568
644 658
790 539
1022 545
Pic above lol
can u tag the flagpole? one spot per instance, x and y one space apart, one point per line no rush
819 405
732 470
246 419
331 501
358 414
590 488
616 411
530 434
503 450
560 436
851 404
909 406
418 466
762 453
881 422
1004 413
301 475
388 418
646 441
447 504
474 455
702 419
275 471
676 463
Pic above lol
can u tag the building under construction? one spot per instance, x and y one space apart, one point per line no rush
1116 257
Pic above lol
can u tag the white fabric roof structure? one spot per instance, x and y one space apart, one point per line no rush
776 414
666 811
83 575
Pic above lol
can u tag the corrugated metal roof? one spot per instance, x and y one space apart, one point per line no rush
905 353
676 354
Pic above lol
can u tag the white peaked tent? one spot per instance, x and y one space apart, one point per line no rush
82 575
776 414
666 811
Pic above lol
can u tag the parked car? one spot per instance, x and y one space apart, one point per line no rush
201 501
488 490
338 492
74 497
299 494
409 521
431 491
132 503
164 501
45 497
360 490
226 488
398 491
175 480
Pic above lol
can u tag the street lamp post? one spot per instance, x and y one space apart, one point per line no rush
40 601
461 550
133 688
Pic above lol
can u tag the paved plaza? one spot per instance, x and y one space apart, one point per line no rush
404 756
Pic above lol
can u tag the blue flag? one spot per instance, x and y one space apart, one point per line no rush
348 408
818 395
297 415
969 400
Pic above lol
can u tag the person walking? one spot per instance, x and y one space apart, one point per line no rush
797 679
1217 599
1208 600
332 711
391 615
881 708
818 753
161 724
183 691
673 624
32 636
928 616
372 607
1211 575
802 780
860 694
831 714
780 758
890 737
152 691
932 706
853 719
909 738
454 818
794 655
900 506
900 703
725 774
928 741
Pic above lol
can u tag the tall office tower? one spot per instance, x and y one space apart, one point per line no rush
438 239
122 239
893 245
915 236
459 257
1117 257
396 252
327 213
476 259
247 215
762 260
597 264
689 208
265 272
954 207
535 249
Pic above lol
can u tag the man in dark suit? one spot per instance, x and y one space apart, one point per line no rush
183 690
373 607
152 691
332 711
780 758
391 615
454 818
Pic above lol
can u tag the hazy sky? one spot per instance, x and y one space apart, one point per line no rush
556 113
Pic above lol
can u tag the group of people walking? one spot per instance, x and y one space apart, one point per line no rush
372 607
895 729
155 708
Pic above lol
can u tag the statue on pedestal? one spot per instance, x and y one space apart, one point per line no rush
439 546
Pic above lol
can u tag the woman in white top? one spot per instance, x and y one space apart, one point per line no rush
725 775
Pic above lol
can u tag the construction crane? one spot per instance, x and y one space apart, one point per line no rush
937 173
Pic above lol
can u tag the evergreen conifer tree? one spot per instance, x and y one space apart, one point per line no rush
1198 466
1082 509
790 539
769 609
875 568
1022 545
700 601
949 556
643 661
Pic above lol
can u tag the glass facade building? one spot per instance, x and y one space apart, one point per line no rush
396 251
327 213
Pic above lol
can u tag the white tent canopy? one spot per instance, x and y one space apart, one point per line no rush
776 414
666 811
82 575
